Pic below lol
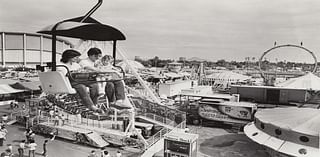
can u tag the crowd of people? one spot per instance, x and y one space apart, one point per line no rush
28 147
29 143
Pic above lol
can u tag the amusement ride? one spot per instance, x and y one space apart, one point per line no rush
287 131
142 124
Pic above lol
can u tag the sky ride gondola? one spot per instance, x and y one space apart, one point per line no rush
53 82
85 28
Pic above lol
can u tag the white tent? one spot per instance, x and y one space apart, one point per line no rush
136 65
308 81
227 76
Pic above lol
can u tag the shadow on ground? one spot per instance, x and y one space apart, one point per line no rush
232 145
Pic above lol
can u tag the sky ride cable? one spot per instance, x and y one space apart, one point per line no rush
135 73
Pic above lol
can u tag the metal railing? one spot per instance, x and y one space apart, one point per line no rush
150 110
158 118
160 134
74 121
156 137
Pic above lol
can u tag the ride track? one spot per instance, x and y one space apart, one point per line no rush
282 46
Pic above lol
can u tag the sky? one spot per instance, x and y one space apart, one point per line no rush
208 29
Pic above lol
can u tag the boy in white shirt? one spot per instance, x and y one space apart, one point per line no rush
32 148
89 63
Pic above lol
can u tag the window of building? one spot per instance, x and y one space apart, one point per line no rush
14 42
15 56
33 56
33 43
47 44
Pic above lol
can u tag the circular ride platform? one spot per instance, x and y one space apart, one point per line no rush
287 131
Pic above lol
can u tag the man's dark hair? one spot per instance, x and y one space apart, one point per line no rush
94 51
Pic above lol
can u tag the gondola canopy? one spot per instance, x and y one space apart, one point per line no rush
89 29
85 28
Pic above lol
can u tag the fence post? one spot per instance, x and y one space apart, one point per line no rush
11 115
99 123
152 140
87 120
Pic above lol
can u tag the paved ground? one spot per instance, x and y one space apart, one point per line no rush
217 142
214 142
56 148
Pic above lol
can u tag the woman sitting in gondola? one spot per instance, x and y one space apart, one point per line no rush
70 59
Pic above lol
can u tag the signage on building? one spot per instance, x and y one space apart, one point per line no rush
225 113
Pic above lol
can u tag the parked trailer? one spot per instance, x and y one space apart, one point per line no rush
217 109
270 94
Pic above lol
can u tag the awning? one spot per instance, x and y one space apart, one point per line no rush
7 89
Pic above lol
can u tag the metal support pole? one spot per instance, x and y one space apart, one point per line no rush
114 49
54 50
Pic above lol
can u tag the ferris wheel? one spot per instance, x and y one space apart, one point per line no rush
283 46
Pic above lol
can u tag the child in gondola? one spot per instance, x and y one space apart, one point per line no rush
114 90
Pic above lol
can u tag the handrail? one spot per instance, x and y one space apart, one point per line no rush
157 118
160 134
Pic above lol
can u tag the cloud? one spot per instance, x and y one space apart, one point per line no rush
229 29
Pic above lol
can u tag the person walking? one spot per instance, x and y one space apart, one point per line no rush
56 118
78 116
7 153
92 154
10 147
105 154
44 153
63 119
119 154
2 137
32 148
28 134
21 148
